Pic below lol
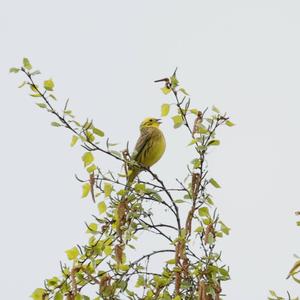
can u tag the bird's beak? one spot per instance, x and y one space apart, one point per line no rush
158 121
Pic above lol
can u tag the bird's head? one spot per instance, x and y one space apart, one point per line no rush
150 122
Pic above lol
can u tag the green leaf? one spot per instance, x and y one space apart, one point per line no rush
107 189
215 109
53 282
35 95
58 296
224 228
214 143
116 153
194 111
92 228
174 81
224 272
154 194
89 136
182 90
72 253
52 96
140 187
199 229
209 201
187 196
165 108
112 144
203 212
206 221
87 158
196 163
166 90
122 192
177 298
49 85
229 123
124 268
34 88
214 183
41 105
171 261
201 148
180 201
98 132
149 295
192 142
210 239
87 125
298 223
108 250
167 296
296 279
272 293
74 140
14 70
68 112
177 121
140 281
39 294
91 168
161 281
122 285
132 294
78 297
36 72
22 84
85 190
295 269
55 124
202 130
26 64
102 207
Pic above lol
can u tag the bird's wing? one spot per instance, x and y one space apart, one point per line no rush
140 145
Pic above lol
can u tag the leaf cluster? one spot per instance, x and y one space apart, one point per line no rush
194 268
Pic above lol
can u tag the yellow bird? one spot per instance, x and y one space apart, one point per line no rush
149 148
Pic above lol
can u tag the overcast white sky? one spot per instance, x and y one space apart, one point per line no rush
242 56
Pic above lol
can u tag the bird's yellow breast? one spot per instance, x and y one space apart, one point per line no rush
149 149
154 149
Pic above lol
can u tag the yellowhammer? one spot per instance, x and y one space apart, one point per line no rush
149 148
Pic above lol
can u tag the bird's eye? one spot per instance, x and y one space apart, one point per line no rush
151 120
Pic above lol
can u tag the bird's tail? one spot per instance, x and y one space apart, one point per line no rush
133 172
